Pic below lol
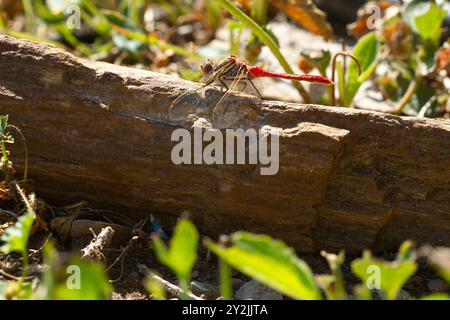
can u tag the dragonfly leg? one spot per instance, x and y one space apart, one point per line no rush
223 83
222 78
254 87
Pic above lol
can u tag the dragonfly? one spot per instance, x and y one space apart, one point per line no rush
232 72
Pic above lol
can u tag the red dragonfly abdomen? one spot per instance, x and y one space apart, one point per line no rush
256 72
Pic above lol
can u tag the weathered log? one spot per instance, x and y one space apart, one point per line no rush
347 178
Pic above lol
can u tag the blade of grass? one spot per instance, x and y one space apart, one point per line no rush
259 11
29 14
72 40
133 10
102 26
153 40
267 40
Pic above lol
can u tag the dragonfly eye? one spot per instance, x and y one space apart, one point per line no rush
207 68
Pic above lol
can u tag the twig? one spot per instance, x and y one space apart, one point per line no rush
40 249
174 290
427 106
123 253
121 269
11 277
408 95
93 251
24 198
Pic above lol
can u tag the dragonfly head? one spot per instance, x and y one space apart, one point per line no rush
207 68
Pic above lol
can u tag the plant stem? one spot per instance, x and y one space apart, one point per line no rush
408 94
4 152
102 26
25 264
25 147
29 13
226 289
133 10
341 85
259 11
341 70
267 40
184 285
5 160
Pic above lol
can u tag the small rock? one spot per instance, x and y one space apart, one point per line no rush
403 295
253 290
204 290
143 270
237 283
437 285
199 288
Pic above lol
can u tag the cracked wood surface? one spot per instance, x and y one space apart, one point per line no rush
348 179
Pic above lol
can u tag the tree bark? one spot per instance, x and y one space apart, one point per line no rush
348 179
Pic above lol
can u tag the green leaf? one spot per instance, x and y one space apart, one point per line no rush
16 290
84 281
429 24
5 137
181 255
270 262
334 286
155 288
321 62
366 51
52 12
406 252
390 276
119 20
16 236
422 95
3 124
413 9
51 258
131 38
124 42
